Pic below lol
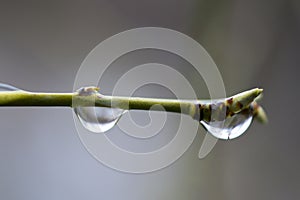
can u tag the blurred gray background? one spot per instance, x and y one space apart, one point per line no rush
253 42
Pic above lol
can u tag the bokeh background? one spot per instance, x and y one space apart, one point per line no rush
253 42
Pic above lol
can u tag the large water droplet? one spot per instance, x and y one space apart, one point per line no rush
98 119
231 127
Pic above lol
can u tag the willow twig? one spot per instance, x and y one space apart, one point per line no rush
89 96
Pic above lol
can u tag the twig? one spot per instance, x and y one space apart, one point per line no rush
89 96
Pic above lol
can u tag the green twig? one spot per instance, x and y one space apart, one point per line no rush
89 96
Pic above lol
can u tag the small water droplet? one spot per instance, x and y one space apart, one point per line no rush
97 119
6 87
230 128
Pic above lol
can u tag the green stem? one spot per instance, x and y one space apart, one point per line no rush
23 98
90 97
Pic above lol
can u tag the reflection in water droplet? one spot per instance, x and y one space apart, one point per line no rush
231 127
98 119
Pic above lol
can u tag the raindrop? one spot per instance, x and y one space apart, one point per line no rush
97 119
6 87
231 127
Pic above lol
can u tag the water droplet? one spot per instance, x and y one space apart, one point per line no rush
97 119
6 87
230 128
